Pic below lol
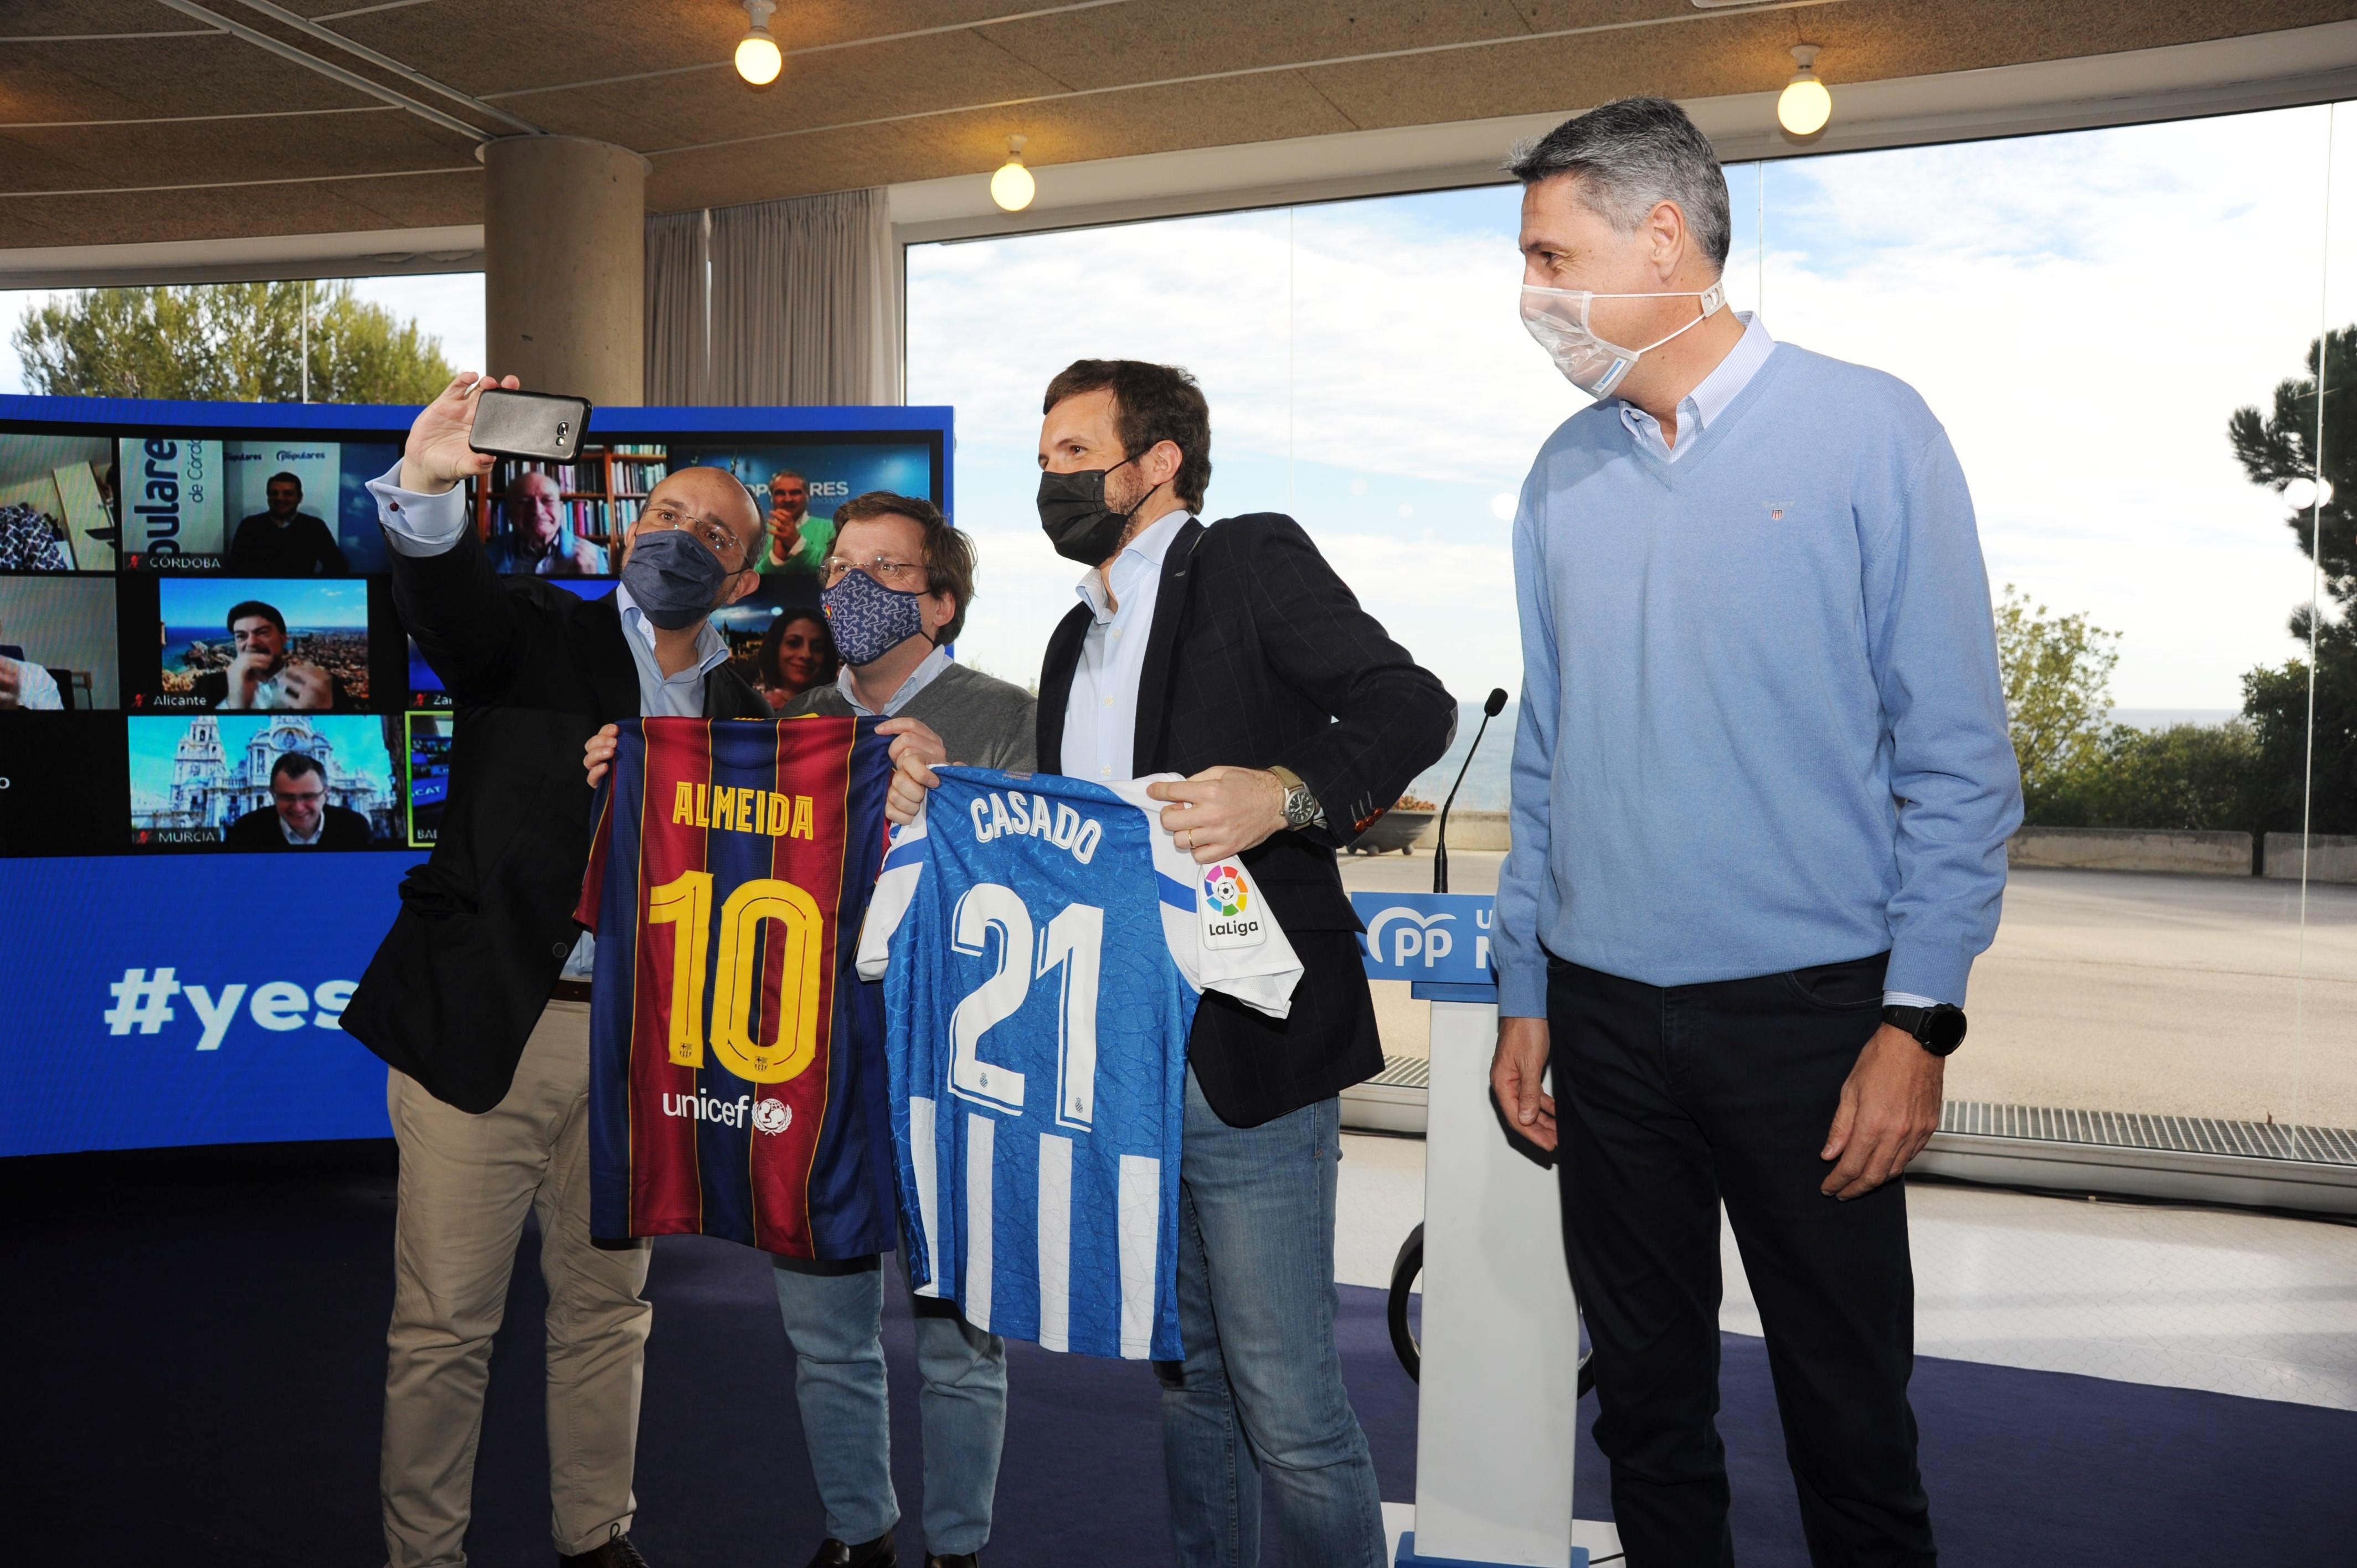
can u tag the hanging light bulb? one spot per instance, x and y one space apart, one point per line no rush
1012 186
1805 105
759 58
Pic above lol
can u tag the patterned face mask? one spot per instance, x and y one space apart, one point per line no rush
869 620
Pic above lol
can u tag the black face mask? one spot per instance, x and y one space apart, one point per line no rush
1078 522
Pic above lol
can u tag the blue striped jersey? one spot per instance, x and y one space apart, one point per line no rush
1042 943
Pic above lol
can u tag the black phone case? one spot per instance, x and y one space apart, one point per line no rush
544 425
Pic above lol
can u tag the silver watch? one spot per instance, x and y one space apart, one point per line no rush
1301 807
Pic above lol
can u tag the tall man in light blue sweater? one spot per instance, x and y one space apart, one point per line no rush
1761 790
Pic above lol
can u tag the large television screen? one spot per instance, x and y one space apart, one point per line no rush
220 751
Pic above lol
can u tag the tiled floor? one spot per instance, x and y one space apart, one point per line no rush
2238 1304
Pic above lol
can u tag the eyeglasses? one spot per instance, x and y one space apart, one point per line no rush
300 797
709 529
902 575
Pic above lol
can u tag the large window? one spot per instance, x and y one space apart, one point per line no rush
2085 312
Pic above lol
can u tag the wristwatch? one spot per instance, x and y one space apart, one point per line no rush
1301 807
1938 1029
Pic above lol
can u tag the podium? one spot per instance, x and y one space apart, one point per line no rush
1497 1416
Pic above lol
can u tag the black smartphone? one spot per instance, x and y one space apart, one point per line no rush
530 425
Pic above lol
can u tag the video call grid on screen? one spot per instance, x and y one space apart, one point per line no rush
166 562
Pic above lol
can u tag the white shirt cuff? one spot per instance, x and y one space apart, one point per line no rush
416 523
1906 999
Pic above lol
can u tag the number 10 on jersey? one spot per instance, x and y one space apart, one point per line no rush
685 905
1072 947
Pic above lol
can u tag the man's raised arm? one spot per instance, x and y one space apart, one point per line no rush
443 586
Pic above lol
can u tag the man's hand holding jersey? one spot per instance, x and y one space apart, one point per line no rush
599 755
916 752
1222 812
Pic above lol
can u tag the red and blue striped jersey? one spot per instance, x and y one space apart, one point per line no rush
736 1081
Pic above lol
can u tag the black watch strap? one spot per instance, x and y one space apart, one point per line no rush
1939 1030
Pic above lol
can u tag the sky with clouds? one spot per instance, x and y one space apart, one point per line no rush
2083 311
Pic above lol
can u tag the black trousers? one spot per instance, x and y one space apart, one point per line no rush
1669 1102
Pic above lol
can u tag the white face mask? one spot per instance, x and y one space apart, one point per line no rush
1557 318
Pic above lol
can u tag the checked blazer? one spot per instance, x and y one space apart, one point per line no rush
1260 656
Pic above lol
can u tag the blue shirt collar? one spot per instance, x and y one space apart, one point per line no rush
927 670
1142 554
1699 408
710 647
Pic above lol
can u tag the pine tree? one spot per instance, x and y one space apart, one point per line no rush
2276 449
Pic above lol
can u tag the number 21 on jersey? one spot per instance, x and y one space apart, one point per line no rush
1072 947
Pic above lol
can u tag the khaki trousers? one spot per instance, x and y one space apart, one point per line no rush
466 1184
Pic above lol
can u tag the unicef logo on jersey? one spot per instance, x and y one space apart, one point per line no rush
1227 907
771 1116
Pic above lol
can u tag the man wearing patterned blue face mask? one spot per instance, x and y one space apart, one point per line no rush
898 580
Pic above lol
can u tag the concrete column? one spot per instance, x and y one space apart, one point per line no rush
564 266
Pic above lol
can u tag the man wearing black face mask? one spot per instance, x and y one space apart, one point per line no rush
1232 654
477 1000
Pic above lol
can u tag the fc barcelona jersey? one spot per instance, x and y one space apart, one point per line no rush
737 1084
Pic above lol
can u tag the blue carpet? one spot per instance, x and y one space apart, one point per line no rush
197 1381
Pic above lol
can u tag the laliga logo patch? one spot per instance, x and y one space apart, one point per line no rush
1228 906
772 1116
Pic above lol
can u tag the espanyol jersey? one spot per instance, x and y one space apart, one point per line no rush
732 864
1042 944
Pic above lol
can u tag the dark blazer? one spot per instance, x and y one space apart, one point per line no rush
486 923
1260 656
340 827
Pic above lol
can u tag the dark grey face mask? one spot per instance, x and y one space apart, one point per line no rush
673 578
1072 512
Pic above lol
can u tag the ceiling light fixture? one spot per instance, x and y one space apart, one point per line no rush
759 58
1012 186
1805 105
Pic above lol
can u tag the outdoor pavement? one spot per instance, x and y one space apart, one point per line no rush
2105 991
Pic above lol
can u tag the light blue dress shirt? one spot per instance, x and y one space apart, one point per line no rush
420 524
919 679
1708 400
1101 713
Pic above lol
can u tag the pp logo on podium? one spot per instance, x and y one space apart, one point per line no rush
1425 935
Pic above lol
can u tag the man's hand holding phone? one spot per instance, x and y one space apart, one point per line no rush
438 455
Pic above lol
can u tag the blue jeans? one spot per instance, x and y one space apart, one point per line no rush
834 1319
1260 1394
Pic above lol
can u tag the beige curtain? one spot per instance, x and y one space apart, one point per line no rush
803 303
677 350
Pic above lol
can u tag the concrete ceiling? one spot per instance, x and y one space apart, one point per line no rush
133 121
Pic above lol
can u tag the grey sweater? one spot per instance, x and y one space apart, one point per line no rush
983 721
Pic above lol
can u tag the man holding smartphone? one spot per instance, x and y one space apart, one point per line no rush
479 999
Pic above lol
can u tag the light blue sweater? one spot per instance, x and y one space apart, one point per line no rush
1762 726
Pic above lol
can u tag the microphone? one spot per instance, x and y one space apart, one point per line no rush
1490 709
